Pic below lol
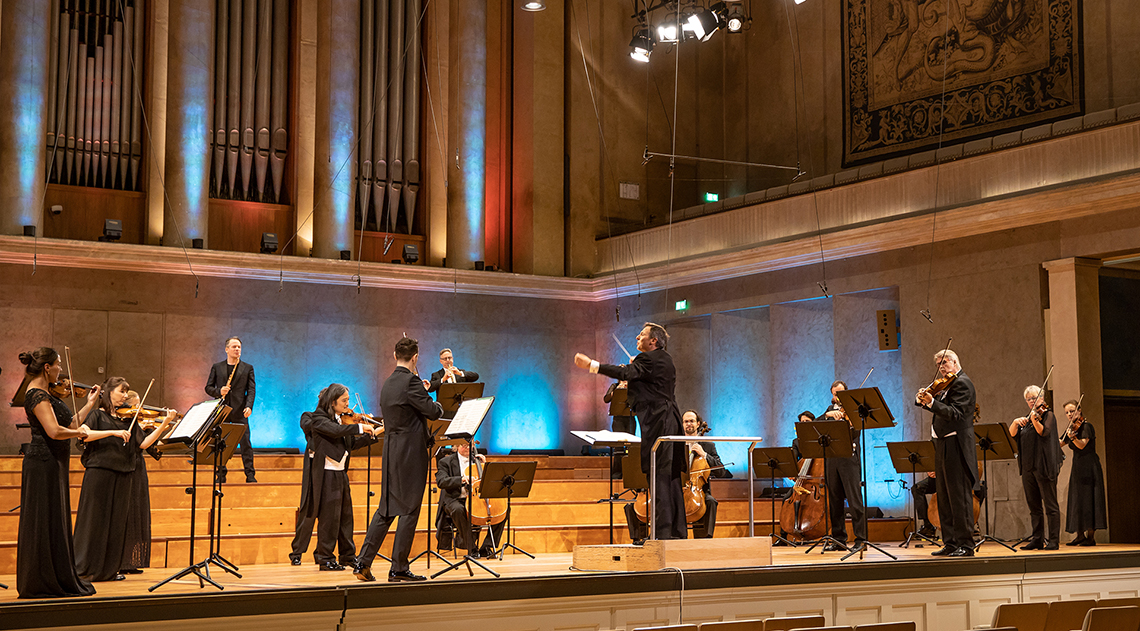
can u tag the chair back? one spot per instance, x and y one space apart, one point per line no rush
1021 616
793 622
734 625
1112 619
1067 615
839 628
670 627
1117 602
888 626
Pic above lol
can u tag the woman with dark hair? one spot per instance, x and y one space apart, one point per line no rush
325 494
137 545
1086 480
45 565
111 456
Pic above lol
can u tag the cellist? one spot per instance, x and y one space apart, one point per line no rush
454 483
695 426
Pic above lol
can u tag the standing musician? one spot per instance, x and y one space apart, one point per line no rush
1086 480
406 407
232 381
452 479
652 379
326 495
695 426
955 458
1039 461
449 373
844 480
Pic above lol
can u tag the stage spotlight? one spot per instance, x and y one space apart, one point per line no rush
268 243
735 18
112 230
800 1
29 231
411 253
667 33
641 45
346 255
702 24
534 5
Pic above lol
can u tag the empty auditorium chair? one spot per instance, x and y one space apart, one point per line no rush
793 622
1112 619
734 625
841 628
888 626
670 627
1021 616
1118 602
1067 615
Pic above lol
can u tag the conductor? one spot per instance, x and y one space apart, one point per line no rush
652 378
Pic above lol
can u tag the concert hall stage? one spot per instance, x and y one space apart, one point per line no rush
545 593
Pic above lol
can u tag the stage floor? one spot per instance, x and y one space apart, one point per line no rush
547 576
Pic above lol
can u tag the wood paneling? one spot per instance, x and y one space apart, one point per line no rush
372 247
84 210
237 226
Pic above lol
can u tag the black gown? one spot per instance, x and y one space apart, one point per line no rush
101 523
45 562
137 546
1086 486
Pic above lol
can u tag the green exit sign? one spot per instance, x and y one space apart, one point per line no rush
682 305
712 197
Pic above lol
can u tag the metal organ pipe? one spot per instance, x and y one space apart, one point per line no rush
221 64
261 97
72 71
233 96
126 98
248 67
380 109
280 138
116 96
411 181
136 97
396 69
367 52
103 149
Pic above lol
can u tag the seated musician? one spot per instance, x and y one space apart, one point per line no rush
925 487
454 484
804 417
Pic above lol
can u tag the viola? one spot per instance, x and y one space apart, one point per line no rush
359 418
939 384
65 387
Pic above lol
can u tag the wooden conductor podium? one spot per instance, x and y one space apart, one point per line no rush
687 554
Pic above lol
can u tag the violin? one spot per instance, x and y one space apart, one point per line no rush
360 418
65 387
938 385
149 417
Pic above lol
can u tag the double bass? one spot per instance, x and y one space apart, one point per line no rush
802 514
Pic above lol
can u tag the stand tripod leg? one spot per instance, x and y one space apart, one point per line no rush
195 569
987 536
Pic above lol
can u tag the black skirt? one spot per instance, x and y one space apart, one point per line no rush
101 524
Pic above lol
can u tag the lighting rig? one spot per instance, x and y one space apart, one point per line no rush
671 21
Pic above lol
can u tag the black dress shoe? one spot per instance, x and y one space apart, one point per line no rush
363 573
330 566
252 479
1050 545
965 551
1078 540
295 560
133 570
835 547
404 577
1087 543
119 577
944 551
1033 545
487 553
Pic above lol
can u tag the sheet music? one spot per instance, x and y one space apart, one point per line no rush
195 418
469 416
605 436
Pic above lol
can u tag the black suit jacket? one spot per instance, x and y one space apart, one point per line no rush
469 376
953 411
652 380
242 388
449 479
327 439
406 407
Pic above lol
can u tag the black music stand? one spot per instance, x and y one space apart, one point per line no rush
868 404
777 460
994 443
436 428
611 440
913 457
451 395
508 479
468 417
216 442
368 492
825 439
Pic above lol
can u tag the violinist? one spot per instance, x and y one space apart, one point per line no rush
232 381
844 480
1086 480
1039 461
138 522
695 426
952 400
111 456
325 493
452 479
45 563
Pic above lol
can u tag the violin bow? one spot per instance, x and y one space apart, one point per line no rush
142 402
71 378
1041 390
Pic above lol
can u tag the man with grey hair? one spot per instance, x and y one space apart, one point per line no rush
652 379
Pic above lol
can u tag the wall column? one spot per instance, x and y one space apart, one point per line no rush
190 89
25 35
467 166
338 74
1074 348
155 107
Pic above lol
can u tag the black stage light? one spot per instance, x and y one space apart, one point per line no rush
198 244
479 266
641 46
702 24
346 255
268 242
29 231
411 253
112 230
735 18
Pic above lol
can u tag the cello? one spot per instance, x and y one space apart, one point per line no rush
801 514
483 511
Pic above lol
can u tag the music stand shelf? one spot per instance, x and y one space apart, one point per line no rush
867 404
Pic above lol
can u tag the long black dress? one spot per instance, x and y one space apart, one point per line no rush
1086 486
137 545
45 563
105 500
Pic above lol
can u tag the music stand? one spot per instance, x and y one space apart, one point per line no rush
210 443
781 460
825 439
619 403
468 417
993 438
436 428
914 456
451 395
368 492
508 479
868 404
611 440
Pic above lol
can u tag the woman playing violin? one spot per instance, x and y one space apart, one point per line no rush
1086 480
106 501
1039 461
45 565
138 521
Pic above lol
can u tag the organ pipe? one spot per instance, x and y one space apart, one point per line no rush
261 95
221 64
280 138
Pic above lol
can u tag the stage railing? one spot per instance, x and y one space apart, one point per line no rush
752 440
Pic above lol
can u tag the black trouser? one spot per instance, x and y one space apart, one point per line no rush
703 528
244 446
952 482
334 521
1041 495
669 516
465 534
843 478
919 491
401 546
303 534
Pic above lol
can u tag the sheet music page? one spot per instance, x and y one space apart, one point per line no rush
194 419
469 416
605 436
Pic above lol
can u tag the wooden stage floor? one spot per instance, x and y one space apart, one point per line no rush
547 576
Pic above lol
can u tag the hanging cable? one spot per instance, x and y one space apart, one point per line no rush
937 169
